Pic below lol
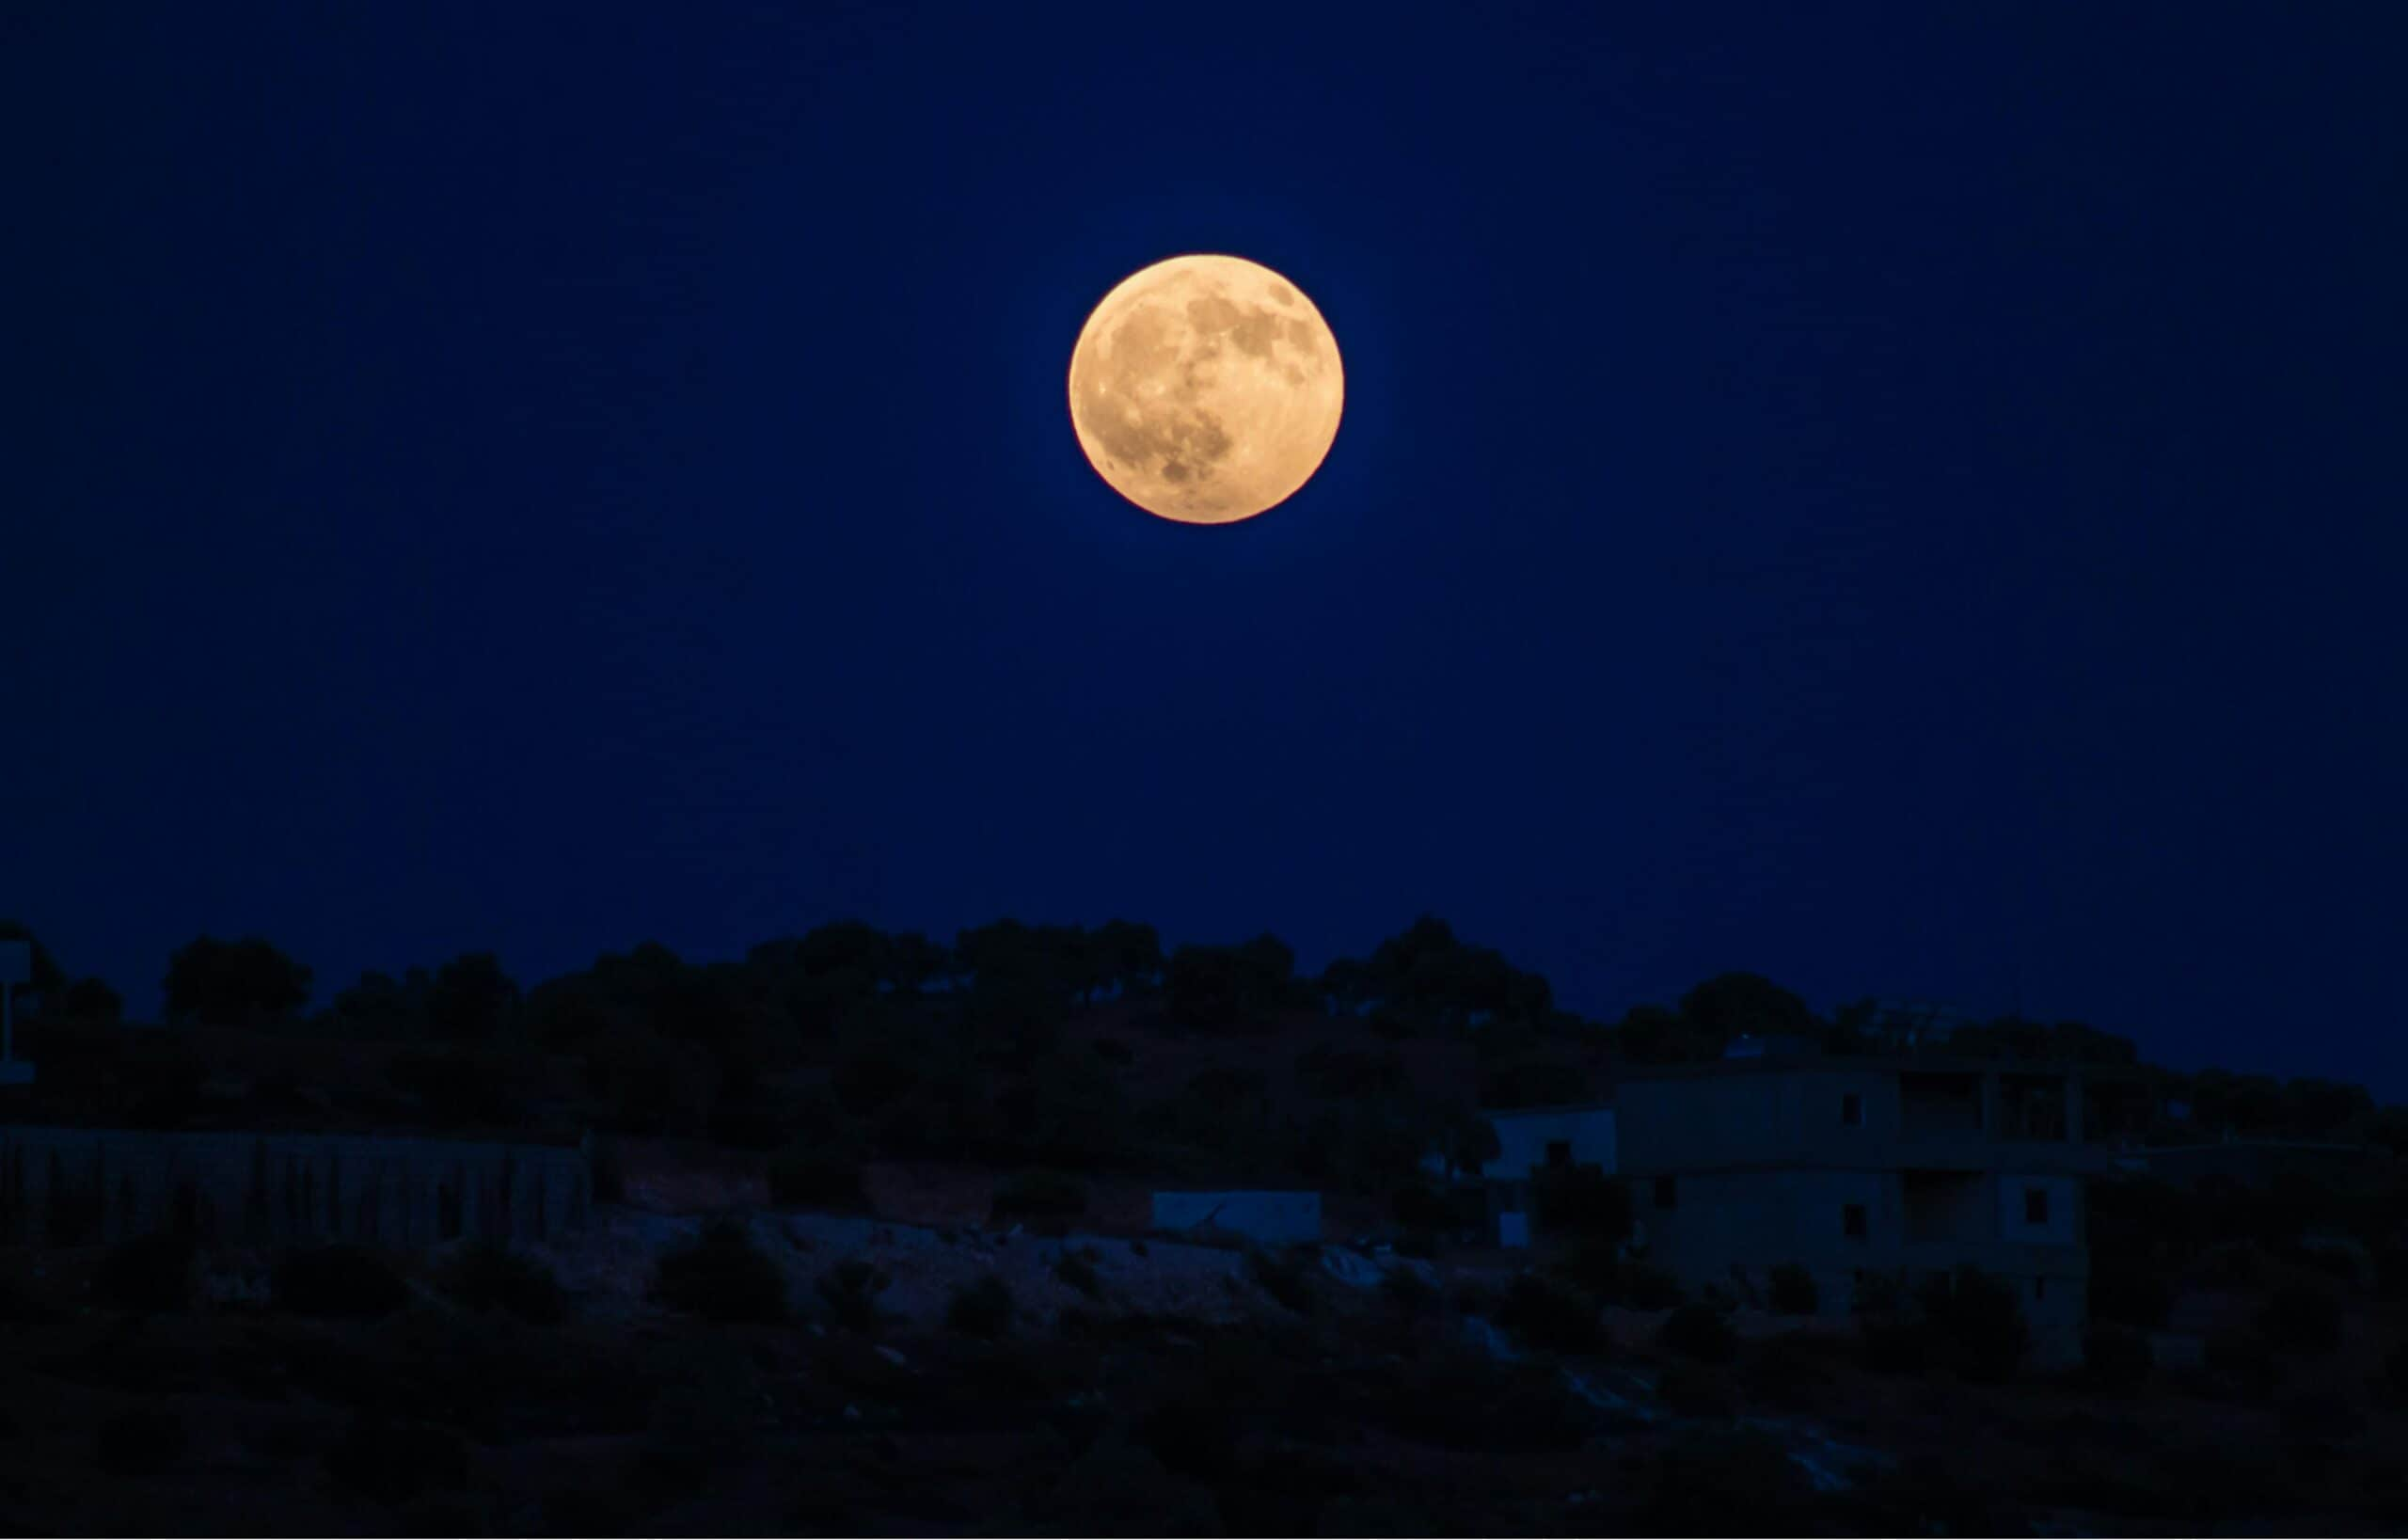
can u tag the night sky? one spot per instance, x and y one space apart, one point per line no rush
1910 505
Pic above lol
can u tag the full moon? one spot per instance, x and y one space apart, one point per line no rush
1206 390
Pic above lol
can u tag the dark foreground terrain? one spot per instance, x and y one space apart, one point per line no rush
739 1387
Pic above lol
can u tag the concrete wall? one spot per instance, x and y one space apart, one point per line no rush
1745 1116
1731 1228
1275 1218
72 1186
2061 1199
1523 1136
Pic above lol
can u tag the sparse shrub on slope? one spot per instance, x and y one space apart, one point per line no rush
983 1308
340 1280
150 1272
1793 1290
1700 1332
723 1277
488 1276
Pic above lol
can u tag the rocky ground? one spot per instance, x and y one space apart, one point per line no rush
1165 1387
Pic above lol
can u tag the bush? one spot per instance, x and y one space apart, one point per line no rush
1582 1201
2242 1359
1793 1290
1040 1195
1287 1278
1417 1207
2116 1356
488 1276
1895 1344
983 1308
1077 1270
2301 1319
1644 1287
1460 1399
340 1281
802 1178
1790 1368
1737 1482
2395 1371
1408 1290
1700 1332
137 1442
850 1290
148 1272
1551 1318
2132 1296
1687 1391
1981 1321
725 1277
394 1462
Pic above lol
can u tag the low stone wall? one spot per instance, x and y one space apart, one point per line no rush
70 1187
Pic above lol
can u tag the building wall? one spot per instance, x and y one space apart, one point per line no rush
1799 1114
71 1185
1275 1218
1521 1138
1731 1228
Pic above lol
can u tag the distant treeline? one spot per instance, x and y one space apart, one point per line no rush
902 1043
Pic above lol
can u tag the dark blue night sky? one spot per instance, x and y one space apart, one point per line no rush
1909 504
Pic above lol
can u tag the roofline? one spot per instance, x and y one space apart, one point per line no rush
1878 1064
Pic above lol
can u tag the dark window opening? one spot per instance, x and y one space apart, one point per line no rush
2039 1288
1852 1110
1558 1154
1665 1195
2035 1205
1852 1221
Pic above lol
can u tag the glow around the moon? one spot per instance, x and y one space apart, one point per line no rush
1206 389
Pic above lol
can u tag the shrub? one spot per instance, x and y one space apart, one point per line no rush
1408 1290
1895 1344
1462 1399
1687 1391
393 1462
1793 1290
1287 1278
2242 1359
488 1276
147 1273
1582 1201
2130 1295
725 1277
2116 1356
983 1308
850 1290
137 1442
1040 1195
1077 1270
20 1308
1417 1207
1551 1318
1981 1320
1644 1287
802 1178
1789 1367
1736 1483
340 1281
2302 1319
1700 1332
2395 1369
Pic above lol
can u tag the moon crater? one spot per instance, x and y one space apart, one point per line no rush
1206 389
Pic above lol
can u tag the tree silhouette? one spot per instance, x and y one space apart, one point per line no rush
234 983
471 999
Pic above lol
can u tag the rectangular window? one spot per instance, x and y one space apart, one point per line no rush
2039 1288
1852 1222
1558 1154
2035 1205
1665 1197
1852 1110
